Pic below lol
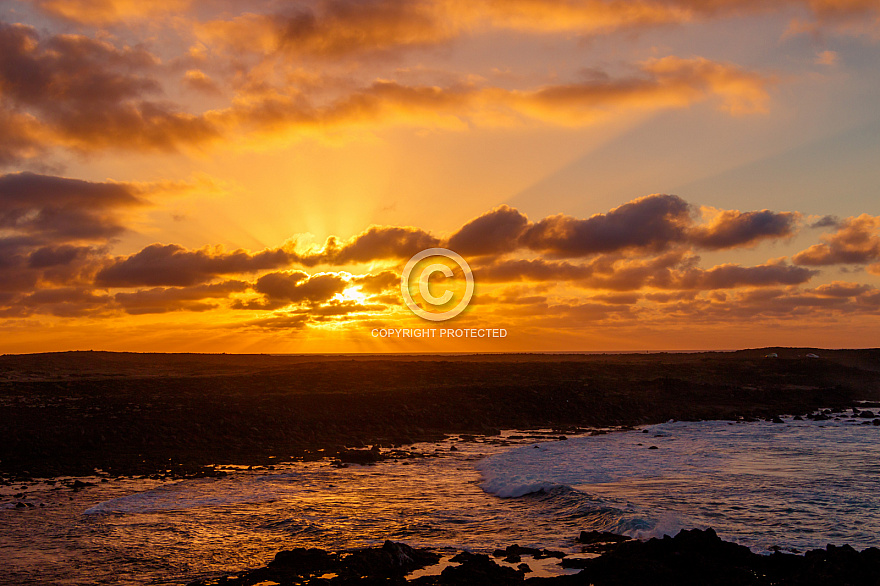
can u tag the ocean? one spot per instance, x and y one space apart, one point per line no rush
794 486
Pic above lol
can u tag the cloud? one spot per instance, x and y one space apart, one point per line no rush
109 11
285 288
377 242
378 283
826 222
856 242
730 276
827 58
57 208
513 270
201 82
64 302
650 222
85 94
333 28
732 229
162 300
675 270
171 264
359 28
284 321
841 289
495 232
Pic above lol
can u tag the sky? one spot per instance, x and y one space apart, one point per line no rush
253 175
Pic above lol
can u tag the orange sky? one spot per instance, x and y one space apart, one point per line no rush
252 176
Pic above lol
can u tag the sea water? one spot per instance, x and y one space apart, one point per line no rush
795 485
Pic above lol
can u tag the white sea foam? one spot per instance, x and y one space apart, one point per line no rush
759 483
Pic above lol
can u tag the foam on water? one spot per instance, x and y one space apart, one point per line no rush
797 485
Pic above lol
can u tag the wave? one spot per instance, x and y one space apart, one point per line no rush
184 495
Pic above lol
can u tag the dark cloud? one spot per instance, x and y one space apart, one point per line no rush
857 241
57 208
826 222
49 256
730 276
85 94
651 222
495 232
285 288
376 243
65 302
334 28
174 265
378 283
336 308
508 271
162 300
732 228
841 289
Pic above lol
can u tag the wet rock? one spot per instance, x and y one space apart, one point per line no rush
370 456
524 568
302 561
601 537
479 569
391 560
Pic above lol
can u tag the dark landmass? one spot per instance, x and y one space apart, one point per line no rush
172 415
693 557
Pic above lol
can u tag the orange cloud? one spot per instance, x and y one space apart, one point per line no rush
732 228
636 261
856 242
334 28
87 95
109 11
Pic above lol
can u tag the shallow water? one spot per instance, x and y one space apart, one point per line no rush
796 485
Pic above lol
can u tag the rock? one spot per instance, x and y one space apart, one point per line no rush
867 415
524 568
479 569
370 456
302 561
601 537
79 484
391 560
777 420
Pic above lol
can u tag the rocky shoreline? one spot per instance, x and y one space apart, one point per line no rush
692 557
179 415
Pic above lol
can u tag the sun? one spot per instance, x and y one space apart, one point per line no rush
354 294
